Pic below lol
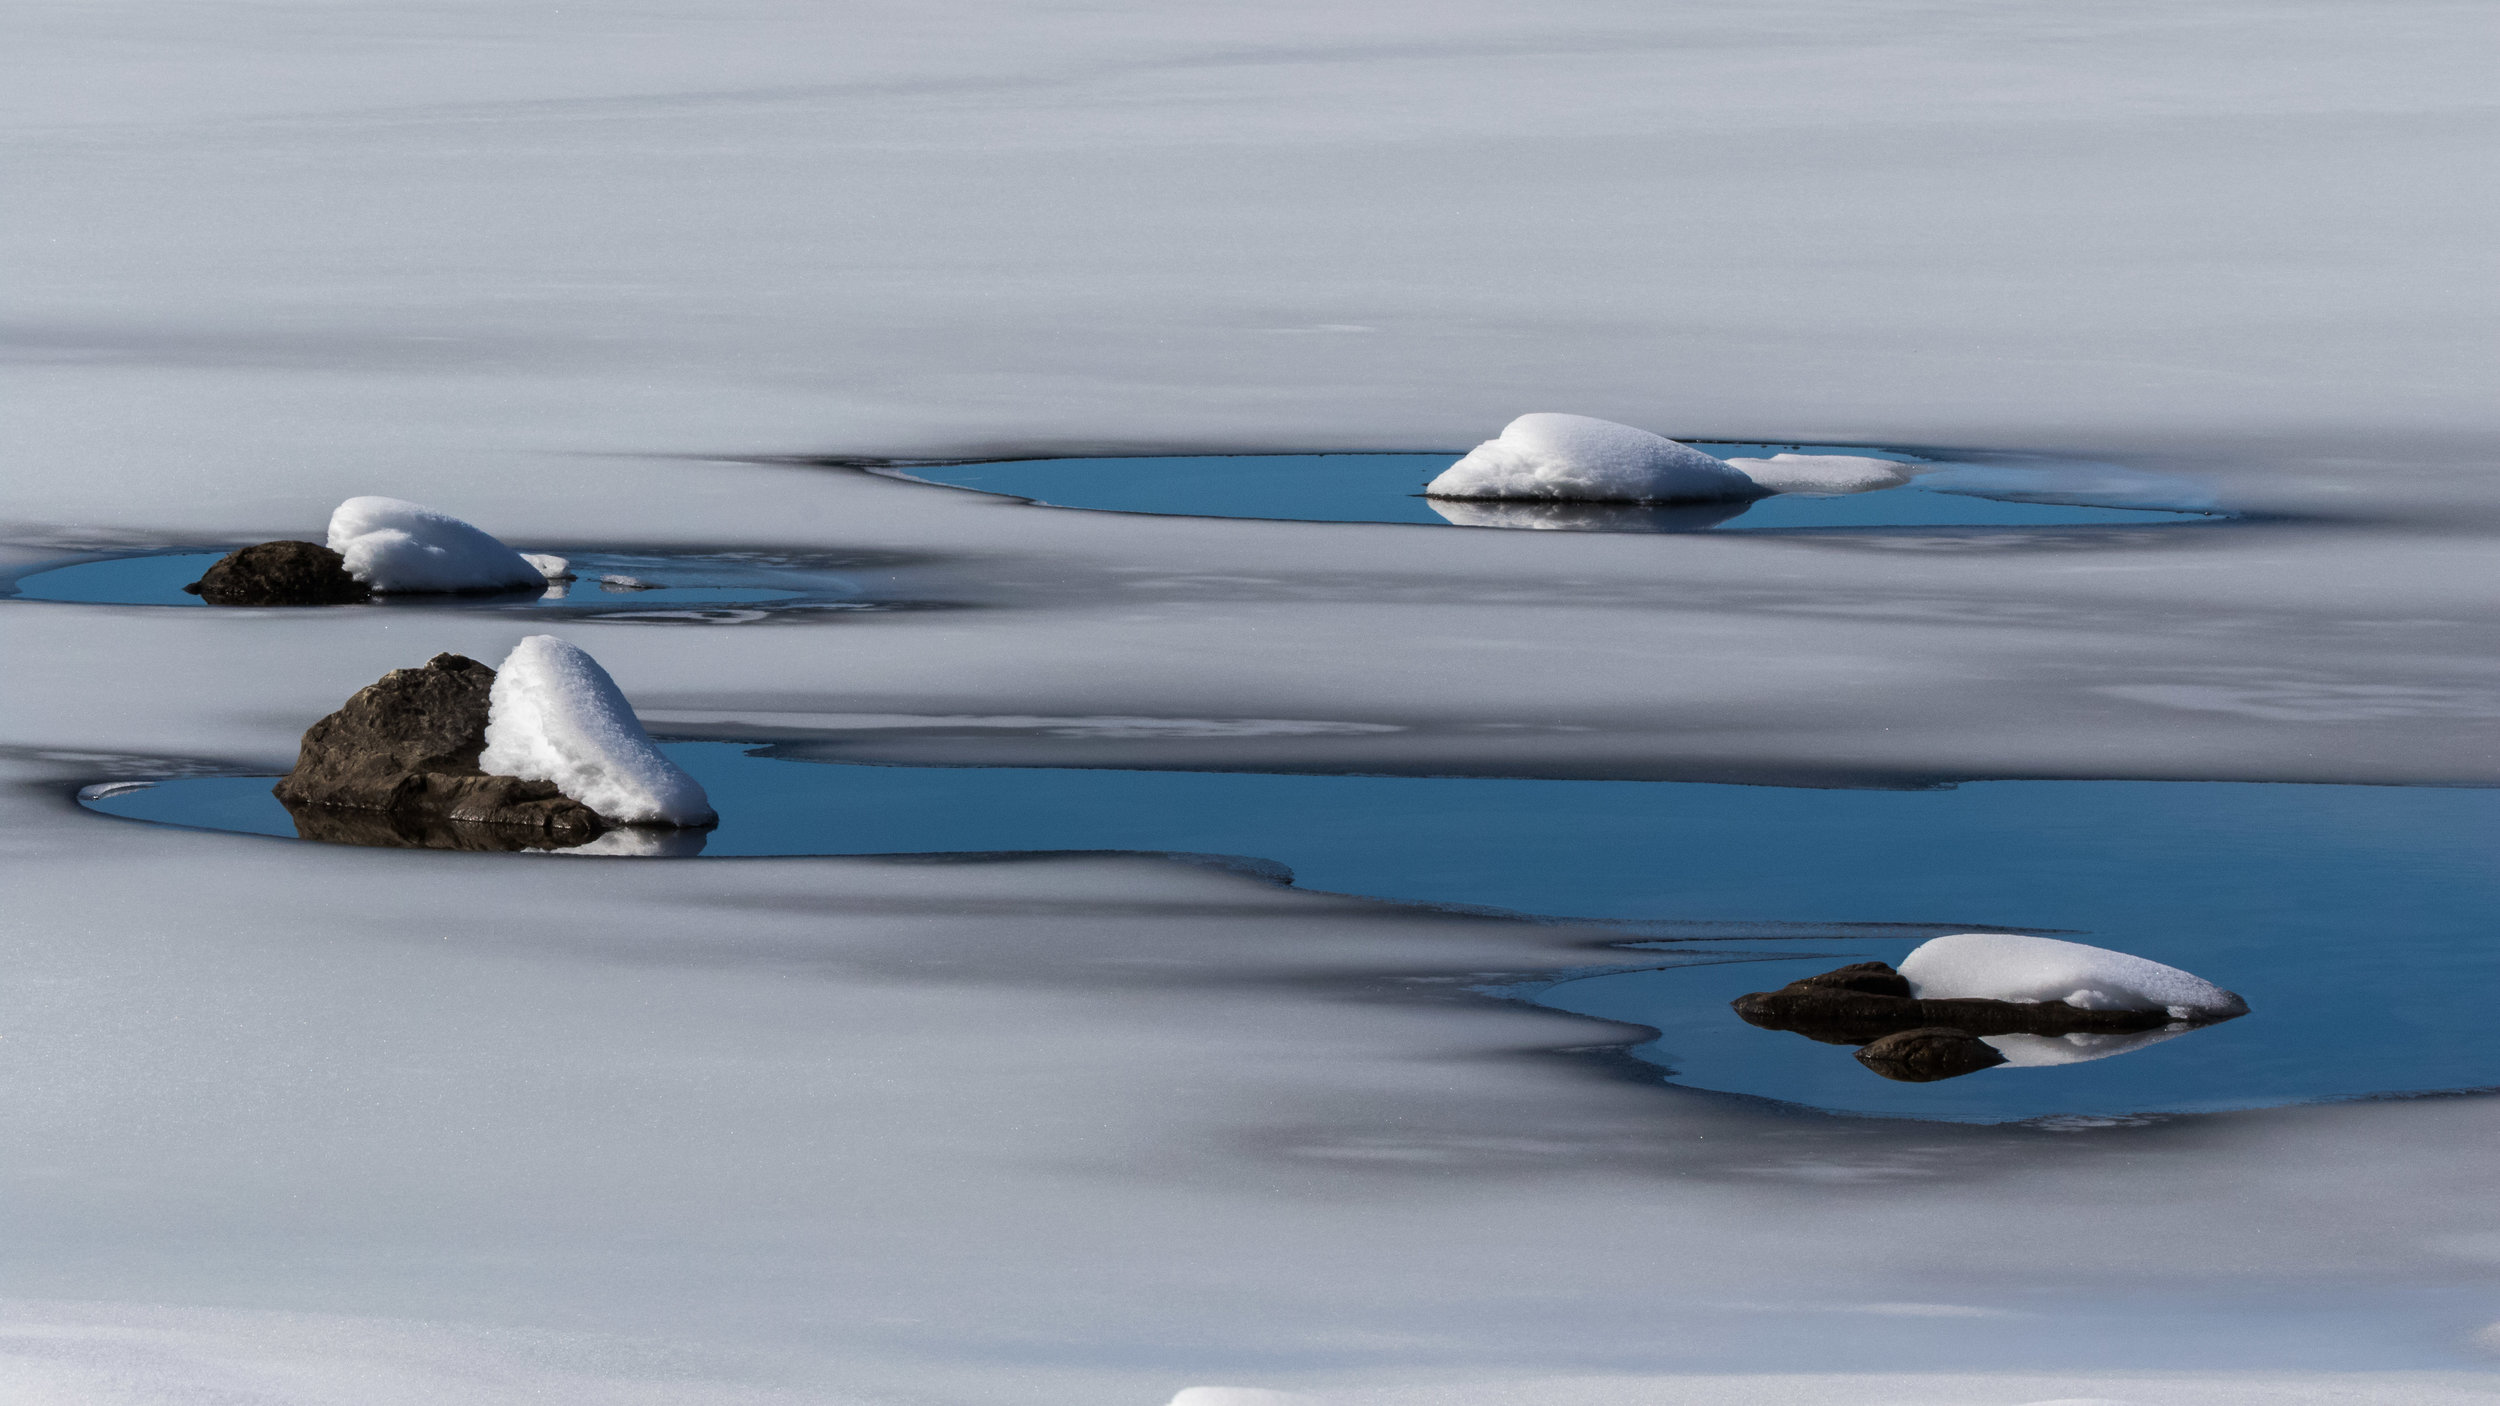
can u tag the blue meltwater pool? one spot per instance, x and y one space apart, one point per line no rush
2356 920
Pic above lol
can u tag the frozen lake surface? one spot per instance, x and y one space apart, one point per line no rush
1389 488
305 1125
2356 920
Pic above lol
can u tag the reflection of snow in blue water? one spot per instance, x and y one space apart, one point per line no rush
1388 488
2356 920
688 586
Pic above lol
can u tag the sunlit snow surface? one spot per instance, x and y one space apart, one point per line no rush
556 716
399 547
296 1123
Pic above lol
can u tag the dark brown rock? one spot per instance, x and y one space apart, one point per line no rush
280 573
407 747
1855 1005
1870 978
1929 1053
339 825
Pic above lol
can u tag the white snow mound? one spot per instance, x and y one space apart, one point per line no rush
555 715
1588 460
394 545
549 565
2007 967
1822 473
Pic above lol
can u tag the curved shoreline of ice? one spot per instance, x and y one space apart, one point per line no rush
393 545
555 715
2012 967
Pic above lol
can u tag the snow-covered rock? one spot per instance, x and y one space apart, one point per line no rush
1580 458
1822 473
2010 967
556 716
550 566
397 546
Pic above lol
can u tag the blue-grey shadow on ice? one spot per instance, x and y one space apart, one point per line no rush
2356 920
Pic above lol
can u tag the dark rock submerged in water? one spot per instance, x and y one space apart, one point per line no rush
1929 1053
1859 1004
402 754
280 573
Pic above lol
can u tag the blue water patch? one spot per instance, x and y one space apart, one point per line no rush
698 587
1389 488
2357 921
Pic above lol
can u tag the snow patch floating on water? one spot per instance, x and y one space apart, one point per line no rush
1823 473
1579 458
2007 967
555 715
550 566
394 545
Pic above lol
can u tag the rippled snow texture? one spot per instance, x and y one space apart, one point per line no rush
555 715
1581 458
394 545
2010 967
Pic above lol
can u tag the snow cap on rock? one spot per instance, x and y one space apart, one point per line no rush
2009 967
555 715
394 545
1589 460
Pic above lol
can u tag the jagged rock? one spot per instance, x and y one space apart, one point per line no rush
407 747
1857 1004
280 573
1929 1053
